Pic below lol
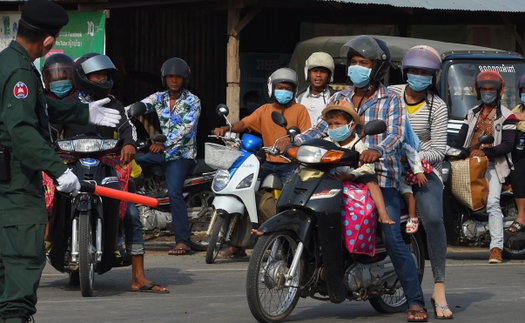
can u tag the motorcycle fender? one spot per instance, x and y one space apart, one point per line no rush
329 233
228 203
297 221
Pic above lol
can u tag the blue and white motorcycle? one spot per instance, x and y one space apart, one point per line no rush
235 209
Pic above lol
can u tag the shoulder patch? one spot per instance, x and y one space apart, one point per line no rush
20 90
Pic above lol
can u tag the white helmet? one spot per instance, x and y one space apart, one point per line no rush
282 75
319 59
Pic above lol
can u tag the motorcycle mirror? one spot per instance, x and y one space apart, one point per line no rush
279 119
222 110
159 138
375 127
486 139
293 131
136 109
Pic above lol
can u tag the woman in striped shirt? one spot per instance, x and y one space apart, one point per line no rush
425 110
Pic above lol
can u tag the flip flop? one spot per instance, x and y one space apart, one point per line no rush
148 288
180 251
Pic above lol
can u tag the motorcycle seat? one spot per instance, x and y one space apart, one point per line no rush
200 167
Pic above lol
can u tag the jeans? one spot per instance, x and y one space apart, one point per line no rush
429 201
175 172
283 170
399 254
133 231
494 209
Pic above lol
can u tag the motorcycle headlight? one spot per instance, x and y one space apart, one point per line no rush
87 145
314 155
221 180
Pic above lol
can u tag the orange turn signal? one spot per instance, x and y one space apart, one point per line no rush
332 156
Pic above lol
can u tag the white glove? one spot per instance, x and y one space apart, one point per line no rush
103 116
68 183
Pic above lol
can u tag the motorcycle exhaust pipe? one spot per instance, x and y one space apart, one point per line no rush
118 194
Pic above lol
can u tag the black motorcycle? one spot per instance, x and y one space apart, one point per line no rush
301 253
197 193
465 226
85 226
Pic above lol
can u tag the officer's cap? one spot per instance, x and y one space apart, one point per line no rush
44 15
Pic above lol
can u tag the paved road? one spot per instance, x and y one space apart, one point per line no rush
477 292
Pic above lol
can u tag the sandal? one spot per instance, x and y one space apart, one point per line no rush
518 227
180 250
442 308
413 311
412 225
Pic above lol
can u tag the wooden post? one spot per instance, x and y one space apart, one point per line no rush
233 72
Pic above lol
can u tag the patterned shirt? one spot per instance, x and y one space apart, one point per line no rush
384 105
179 125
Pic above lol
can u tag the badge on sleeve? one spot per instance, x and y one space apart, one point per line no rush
20 90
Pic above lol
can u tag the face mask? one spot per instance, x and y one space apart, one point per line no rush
489 97
60 88
251 106
523 98
283 96
341 133
419 83
359 75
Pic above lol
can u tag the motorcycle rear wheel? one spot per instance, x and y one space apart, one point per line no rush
216 241
200 210
86 257
269 299
397 302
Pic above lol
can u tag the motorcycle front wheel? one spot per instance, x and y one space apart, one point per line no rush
271 295
395 303
217 236
86 257
200 210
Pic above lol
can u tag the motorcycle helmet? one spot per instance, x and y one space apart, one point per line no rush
423 57
521 84
489 78
176 66
319 59
55 67
370 48
282 75
90 63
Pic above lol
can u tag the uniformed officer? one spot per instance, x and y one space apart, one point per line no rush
25 113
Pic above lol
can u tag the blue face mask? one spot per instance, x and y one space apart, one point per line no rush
359 75
489 97
283 96
523 98
419 83
60 88
341 133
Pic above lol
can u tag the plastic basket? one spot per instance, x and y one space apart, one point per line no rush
220 157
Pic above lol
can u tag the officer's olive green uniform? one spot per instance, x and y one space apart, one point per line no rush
25 113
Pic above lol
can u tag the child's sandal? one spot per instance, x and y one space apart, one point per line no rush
412 225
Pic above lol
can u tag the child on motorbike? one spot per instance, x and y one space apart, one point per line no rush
342 119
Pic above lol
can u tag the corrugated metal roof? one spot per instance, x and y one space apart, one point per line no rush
467 5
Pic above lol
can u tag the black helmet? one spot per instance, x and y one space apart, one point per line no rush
176 66
370 48
90 63
54 68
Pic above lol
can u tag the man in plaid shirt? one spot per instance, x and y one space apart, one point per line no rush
368 63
